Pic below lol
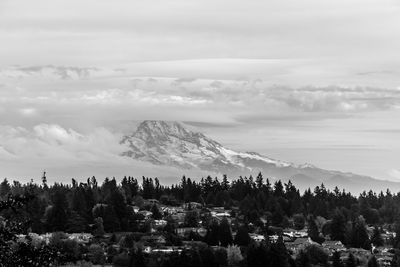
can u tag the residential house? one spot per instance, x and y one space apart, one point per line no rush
257 237
300 243
332 246
185 231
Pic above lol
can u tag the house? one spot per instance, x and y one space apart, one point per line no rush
81 237
170 210
332 246
160 223
360 253
299 244
192 205
383 255
273 238
135 209
217 209
257 237
294 233
384 260
179 218
167 250
146 214
184 231
220 214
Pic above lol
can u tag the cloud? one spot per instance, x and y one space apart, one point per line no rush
107 95
50 141
395 173
65 153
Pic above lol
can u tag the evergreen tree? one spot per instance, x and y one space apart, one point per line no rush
376 238
278 254
98 228
313 231
5 188
57 214
156 212
76 224
359 235
191 219
225 183
212 236
225 234
242 237
338 226
259 181
258 255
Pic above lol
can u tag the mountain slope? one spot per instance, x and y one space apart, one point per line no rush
171 144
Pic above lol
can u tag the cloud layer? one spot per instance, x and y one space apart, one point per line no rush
309 80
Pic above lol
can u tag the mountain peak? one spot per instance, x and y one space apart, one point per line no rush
160 132
170 143
162 128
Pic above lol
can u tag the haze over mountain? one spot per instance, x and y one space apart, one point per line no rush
171 144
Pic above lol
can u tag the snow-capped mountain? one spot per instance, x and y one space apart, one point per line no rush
172 144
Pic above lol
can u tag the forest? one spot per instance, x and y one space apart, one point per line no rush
112 212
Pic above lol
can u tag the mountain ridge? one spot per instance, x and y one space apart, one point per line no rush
170 143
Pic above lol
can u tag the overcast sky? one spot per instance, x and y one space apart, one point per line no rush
303 81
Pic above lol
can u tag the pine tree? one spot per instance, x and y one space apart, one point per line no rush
278 254
212 236
359 235
5 188
338 226
313 232
259 181
225 182
376 238
225 234
156 212
57 214
242 237
98 228
258 255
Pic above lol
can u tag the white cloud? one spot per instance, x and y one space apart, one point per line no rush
53 141
66 153
395 173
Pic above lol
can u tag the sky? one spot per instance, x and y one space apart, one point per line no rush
303 81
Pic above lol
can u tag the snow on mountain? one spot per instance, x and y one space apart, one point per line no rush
171 144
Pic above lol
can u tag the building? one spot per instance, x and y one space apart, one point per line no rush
332 246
